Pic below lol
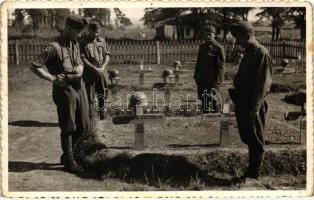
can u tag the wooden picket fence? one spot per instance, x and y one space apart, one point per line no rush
158 52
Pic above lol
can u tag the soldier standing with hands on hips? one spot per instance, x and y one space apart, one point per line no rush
95 55
209 69
65 69
251 85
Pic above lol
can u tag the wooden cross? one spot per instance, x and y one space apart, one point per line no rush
177 73
227 138
142 75
139 119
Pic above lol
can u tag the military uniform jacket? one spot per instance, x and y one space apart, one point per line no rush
254 76
95 51
210 63
60 57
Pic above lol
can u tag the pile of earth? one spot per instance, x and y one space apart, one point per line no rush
214 167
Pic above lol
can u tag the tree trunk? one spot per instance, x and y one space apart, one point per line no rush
273 31
278 33
303 31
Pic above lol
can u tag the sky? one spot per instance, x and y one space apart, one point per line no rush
135 14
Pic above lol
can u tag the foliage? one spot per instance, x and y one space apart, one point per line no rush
298 16
100 14
36 17
278 17
19 19
27 28
59 16
40 19
121 18
195 18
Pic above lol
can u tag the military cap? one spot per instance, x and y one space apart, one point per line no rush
138 99
113 74
209 28
167 73
94 26
284 62
75 21
177 63
241 27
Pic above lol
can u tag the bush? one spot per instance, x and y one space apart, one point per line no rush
109 27
27 29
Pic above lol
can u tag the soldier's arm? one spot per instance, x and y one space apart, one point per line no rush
38 65
197 65
107 57
40 72
263 82
220 65
87 64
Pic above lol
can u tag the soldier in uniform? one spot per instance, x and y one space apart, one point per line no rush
251 85
209 68
65 69
95 55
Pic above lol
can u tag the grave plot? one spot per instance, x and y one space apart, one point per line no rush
176 147
180 156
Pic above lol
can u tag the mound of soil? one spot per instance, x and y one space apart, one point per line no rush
179 168
286 87
298 98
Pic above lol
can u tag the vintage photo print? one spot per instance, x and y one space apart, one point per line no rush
156 99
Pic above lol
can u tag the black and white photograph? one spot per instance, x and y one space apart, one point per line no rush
158 98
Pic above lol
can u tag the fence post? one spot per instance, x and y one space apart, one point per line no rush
284 49
158 52
17 62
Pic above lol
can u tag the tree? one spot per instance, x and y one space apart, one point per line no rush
277 16
102 15
36 17
125 21
59 17
121 18
298 15
195 18
156 17
19 16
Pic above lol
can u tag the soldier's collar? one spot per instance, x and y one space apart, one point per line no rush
65 41
251 45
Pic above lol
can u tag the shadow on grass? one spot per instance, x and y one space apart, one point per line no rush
192 145
21 166
31 123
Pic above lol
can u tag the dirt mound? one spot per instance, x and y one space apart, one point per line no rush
179 169
286 87
298 98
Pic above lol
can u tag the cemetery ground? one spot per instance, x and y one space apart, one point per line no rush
177 151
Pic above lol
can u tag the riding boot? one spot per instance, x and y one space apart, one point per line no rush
256 165
67 157
254 168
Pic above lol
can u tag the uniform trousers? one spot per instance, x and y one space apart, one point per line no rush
251 128
96 88
72 109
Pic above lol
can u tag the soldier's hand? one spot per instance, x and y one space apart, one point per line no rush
99 72
60 80
79 69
